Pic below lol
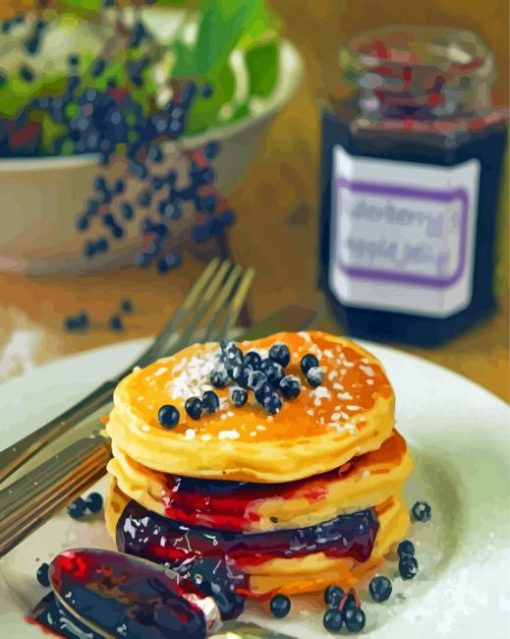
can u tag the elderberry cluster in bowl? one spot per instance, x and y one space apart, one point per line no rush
266 377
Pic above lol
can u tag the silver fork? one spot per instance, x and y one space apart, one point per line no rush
217 296
27 503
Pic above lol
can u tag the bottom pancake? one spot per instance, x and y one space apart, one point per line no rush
300 567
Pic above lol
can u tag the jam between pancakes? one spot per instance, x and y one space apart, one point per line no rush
157 538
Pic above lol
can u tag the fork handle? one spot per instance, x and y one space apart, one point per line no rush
13 457
49 487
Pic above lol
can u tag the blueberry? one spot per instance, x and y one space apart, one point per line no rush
168 416
272 404
380 588
126 305
405 548
211 150
333 620
144 198
43 575
315 376
263 392
239 375
73 60
26 73
94 502
117 231
256 379
354 619
349 602
158 183
98 67
155 154
252 360
115 323
308 361
102 244
83 320
273 372
100 184
238 396
119 186
333 595
219 377
3 79
421 511
290 386
194 408
76 510
408 567
280 606
206 90
280 354
231 352
33 44
202 232
210 401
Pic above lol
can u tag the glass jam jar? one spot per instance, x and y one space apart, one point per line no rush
411 170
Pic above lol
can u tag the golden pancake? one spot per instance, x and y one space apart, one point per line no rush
308 573
366 480
350 413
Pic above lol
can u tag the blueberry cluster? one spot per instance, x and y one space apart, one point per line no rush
78 322
407 565
169 415
79 508
81 321
266 378
98 113
342 610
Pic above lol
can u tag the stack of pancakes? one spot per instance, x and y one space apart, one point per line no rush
298 500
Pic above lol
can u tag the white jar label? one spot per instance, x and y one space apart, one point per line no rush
403 234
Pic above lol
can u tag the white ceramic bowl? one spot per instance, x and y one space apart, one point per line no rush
42 197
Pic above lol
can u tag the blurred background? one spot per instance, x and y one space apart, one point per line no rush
265 86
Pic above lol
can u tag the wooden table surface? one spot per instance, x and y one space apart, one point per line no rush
276 232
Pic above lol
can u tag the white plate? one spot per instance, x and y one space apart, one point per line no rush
459 435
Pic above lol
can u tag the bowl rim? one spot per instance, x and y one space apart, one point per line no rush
291 73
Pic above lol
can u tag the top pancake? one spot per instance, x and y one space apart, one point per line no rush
351 413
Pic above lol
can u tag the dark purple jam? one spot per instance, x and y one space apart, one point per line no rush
115 595
411 173
158 538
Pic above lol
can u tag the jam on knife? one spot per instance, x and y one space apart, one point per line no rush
119 596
